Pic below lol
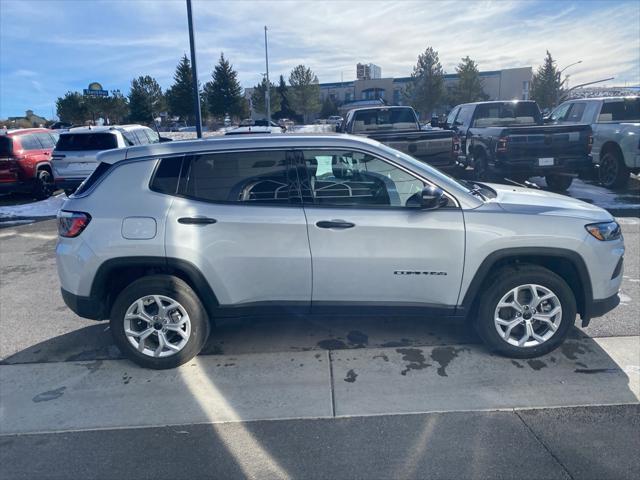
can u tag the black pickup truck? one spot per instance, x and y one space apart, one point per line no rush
510 140
399 128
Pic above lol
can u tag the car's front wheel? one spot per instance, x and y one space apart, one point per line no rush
525 312
559 183
158 322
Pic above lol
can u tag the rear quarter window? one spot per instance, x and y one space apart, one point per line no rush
29 142
87 141
100 171
166 176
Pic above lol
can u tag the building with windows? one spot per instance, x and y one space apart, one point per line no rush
507 84
367 71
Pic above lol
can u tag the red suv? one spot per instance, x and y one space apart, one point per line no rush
25 161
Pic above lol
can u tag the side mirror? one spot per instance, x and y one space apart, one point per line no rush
432 197
435 122
165 139
548 119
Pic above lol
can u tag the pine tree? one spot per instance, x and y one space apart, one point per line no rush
546 85
223 93
285 107
469 86
71 108
145 99
426 90
259 101
304 94
180 95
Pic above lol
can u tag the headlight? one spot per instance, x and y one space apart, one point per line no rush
604 231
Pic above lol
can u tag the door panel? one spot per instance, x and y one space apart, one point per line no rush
257 249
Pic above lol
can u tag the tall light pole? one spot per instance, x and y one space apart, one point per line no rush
267 91
194 72
560 78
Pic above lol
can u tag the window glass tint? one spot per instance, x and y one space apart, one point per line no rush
141 136
504 114
167 174
45 140
575 114
452 116
152 135
30 142
257 177
560 113
130 139
86 141
627 110
381 119
464 117
6 146
358 179
98 173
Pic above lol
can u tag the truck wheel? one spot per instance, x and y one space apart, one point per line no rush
43 187
613 172
159 322
525 312
558 183
481 168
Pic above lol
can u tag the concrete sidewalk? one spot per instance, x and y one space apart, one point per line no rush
58 397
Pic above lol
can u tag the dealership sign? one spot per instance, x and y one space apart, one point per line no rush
95 90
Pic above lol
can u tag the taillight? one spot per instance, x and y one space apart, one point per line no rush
71 224
501 147
590 143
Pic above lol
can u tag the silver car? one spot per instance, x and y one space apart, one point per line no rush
164 240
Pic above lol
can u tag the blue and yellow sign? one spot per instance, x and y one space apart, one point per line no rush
95 90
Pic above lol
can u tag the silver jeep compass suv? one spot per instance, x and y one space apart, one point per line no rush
165 239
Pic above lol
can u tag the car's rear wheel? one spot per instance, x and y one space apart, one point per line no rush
158 322
559 183
481 170
613 172
43 187
525 312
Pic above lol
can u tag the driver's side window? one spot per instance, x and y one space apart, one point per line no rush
349 178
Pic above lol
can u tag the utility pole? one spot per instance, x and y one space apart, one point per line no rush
194 72
267 91
560 82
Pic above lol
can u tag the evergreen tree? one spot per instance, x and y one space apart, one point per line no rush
180 95
469 86
223 93
285 107
71 108
546 85
304 94
426 90
259 101
145 99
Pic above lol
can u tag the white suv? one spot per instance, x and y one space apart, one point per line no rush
74 157
166 239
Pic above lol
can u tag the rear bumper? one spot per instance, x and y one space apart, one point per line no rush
20 186
562 166
85 307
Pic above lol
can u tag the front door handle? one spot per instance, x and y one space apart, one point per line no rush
196 220
340 224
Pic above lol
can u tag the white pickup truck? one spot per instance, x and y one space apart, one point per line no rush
615 122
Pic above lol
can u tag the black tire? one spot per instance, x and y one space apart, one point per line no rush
509 278
69 191
43 187
177 290
558 183
613 172
481 171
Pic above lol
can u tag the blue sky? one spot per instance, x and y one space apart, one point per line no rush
48 47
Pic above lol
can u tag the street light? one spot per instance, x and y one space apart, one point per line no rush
560 83
194 72
267 91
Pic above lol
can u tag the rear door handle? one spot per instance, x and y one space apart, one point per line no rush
196 220
340 224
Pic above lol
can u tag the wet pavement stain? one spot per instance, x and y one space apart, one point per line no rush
93 366
444 356
536 364
351 376
382 356
517 364
571 350
415 357
597 370
49 395
332 344
357 338
402 343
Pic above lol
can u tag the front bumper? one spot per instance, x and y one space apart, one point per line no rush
598 308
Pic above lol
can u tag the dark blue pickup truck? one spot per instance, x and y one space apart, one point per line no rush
510 140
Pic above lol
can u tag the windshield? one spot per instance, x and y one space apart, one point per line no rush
384 119
507 114
627 110
86 141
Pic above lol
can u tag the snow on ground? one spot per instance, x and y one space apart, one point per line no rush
43 208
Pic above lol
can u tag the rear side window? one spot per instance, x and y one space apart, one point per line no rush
152 136
87 141
30 142
252 177
165 179
45 140
6 146
464 117
98 173
627 110
141 136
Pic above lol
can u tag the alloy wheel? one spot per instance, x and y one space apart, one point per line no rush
528 315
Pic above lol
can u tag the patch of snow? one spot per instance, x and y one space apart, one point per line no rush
43 208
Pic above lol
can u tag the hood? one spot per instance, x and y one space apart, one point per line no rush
538 202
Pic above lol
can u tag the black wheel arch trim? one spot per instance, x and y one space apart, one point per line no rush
586 309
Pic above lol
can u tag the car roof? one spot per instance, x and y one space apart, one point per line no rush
24 131
237 142
104 128
605 99
378 107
